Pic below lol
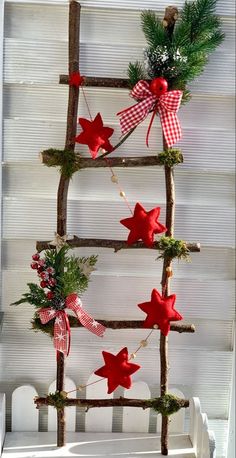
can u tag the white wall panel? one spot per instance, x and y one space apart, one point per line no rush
25 138
224 7
50 58
98 25
191 186
218 262
96 219
50 103
204 299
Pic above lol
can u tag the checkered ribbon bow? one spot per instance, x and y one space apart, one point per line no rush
167 105
62 325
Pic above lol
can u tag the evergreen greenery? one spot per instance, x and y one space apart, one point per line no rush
181 56
71 275
170 157
36 296
172 248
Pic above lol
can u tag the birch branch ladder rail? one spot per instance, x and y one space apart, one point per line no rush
59 401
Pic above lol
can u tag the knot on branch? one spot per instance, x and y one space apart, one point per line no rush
172 248
166 405
66 160
170 157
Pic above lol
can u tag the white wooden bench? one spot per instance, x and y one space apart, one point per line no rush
26 442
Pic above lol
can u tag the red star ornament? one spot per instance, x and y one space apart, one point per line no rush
95 135
160 311
117 369
143 225
75 79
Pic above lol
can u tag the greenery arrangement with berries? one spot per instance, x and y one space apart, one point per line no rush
59 275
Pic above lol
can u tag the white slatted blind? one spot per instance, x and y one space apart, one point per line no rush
35 53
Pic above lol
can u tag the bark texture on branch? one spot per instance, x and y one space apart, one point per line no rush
119 83
119 402
171 15
170 218
116 245
74 23
89 163
136 324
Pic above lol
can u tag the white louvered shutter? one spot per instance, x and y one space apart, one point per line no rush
34 118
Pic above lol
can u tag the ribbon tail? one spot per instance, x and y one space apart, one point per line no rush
60 333
168 108
74 303
68 333
133 116
89 323
150 126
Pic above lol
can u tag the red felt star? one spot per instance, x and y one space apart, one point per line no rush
117 369
95 135
143 225
75 79
160 311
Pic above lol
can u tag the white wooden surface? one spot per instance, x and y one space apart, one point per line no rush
42 445
24 415
199 443
2 419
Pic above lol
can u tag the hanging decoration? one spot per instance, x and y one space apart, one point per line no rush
154 97
160 311
117 369
143 225
62 333
59 289
95 135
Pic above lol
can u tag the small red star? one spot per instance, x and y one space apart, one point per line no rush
95 135
117 369
75 79
160 310
143 225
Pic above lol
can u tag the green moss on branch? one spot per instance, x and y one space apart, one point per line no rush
170 157
166 405
172 248
66 160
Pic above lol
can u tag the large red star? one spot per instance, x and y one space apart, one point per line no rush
143 225
160 310
95 135
117 369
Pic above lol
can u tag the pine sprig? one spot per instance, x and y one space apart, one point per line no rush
70 274
136 72
183 56
36 296
153 29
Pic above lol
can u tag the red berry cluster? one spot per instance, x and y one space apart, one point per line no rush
45 274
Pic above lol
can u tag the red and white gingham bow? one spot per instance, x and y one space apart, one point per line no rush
62 325
167 105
